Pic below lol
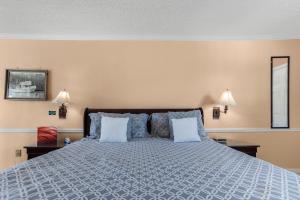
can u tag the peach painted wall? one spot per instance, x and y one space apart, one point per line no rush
154 74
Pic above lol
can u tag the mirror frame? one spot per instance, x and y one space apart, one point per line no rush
288 92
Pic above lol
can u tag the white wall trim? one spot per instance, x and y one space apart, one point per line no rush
33 130
297 170
209 130
250 130
145 37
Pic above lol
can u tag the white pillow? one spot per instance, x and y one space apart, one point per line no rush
113 129
185 130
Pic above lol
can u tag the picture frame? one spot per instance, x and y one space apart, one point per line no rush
28 85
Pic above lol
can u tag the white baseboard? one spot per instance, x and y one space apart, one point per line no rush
209 130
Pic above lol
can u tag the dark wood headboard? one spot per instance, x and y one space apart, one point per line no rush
87 111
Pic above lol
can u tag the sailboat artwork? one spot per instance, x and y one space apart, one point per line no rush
26 84
24 87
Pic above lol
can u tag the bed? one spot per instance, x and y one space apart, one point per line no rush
147 168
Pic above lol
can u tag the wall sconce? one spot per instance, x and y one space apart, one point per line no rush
62 98
225 100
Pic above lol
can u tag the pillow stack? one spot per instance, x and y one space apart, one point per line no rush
115 127
180 126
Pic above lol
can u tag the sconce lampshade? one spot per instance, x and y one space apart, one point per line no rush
227 99
62 98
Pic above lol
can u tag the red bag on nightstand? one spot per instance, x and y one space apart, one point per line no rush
47 135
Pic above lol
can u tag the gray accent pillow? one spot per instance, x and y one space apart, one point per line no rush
139 125
160 125
180 115
95 128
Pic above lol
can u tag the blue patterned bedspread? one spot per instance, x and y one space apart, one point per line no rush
148 169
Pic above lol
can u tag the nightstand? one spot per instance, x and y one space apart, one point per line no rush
38 150
250 149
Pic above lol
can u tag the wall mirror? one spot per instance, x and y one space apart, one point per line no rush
280 92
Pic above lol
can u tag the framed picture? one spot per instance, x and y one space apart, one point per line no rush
26 84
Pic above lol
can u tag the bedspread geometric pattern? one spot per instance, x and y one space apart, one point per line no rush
148 168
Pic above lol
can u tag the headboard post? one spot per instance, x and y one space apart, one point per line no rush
149 111
86 122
